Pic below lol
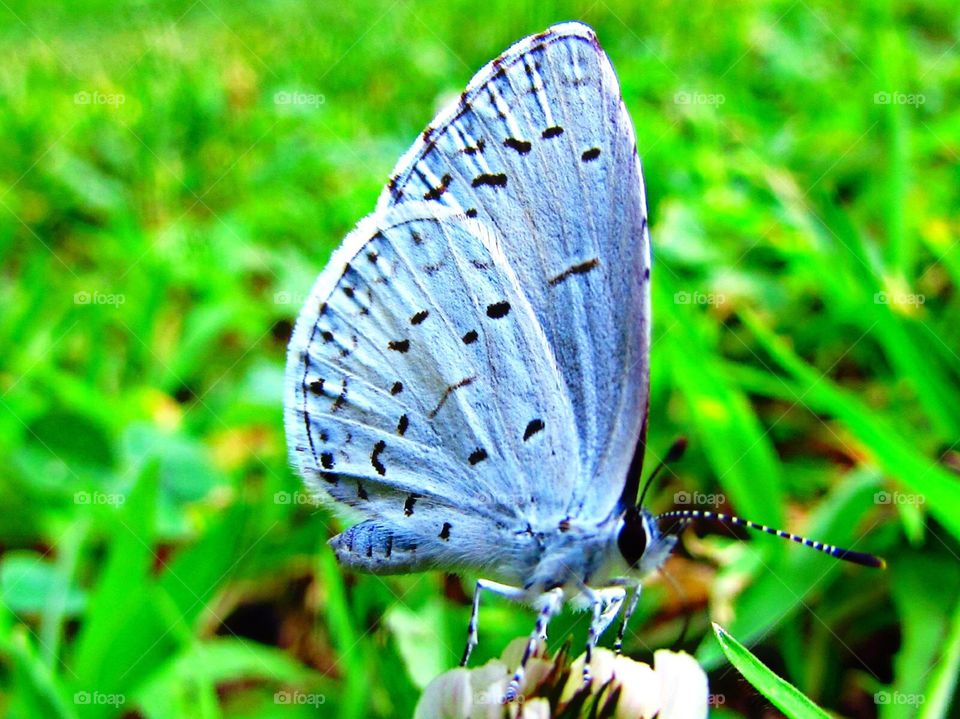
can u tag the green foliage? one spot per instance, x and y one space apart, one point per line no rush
784 695
164 209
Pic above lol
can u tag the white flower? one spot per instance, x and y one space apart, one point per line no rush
674 688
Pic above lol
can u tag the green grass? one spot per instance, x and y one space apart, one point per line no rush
157 242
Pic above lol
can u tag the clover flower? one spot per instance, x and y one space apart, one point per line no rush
675 687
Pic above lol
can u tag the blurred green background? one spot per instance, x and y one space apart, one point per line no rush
164 209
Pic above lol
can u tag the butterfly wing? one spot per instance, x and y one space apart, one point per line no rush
541 148
413 396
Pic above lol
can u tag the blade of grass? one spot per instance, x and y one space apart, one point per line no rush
786 697
943 681
892 451
740 451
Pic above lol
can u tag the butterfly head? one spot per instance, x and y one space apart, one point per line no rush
641 543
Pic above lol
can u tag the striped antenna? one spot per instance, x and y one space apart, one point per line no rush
848 555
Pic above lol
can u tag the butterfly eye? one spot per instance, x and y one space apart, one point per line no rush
632 540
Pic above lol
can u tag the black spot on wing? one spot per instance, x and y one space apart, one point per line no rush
472 212
399 345
491 180
326 460
408 504
419 317
478 147
579 269
402 425
317 387
434 193
341 399
522 147
448 391
375 457
477 456
361 492
554 131
534 426
445 531
397 388
498 310
470 337
589 155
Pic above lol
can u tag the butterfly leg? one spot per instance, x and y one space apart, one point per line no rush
550 605
627 613
606 605
503 590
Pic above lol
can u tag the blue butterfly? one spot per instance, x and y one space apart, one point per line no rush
470 373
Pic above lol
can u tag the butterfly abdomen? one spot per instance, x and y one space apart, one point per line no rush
373 547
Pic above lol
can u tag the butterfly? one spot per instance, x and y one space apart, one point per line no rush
470 373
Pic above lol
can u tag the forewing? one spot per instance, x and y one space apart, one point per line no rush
541 148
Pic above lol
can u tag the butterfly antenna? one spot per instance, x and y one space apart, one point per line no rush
847 555
673 455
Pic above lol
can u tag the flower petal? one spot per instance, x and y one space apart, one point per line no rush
449 696
683 685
